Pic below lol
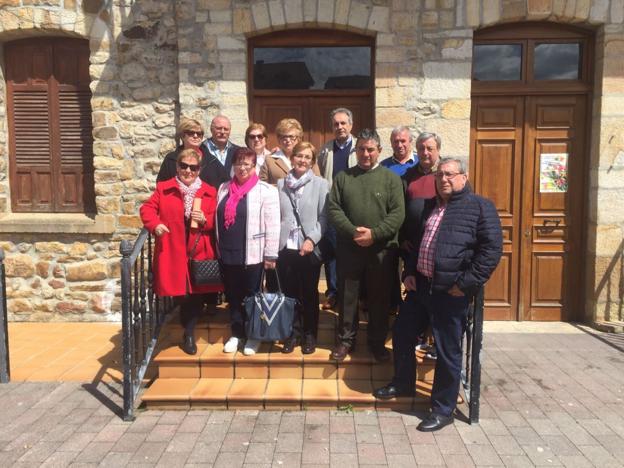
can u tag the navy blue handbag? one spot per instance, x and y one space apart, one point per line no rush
269 315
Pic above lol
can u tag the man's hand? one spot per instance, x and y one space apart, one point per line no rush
363 236
269 264
160 230
410 283
455 291
306 248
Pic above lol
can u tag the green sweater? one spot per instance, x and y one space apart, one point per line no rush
372 199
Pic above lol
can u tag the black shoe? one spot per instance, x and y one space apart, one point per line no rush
309 344
434 422
289 345
391 391
380 353
188 345
340 352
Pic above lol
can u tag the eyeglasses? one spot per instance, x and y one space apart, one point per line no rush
253 136
288 137
193 133
192 167
449 175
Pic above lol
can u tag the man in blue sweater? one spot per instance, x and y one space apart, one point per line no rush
458 246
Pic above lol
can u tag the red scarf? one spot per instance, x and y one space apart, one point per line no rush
236 192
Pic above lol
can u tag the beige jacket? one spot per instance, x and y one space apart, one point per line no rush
326 159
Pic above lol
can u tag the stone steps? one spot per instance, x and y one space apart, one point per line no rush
271 379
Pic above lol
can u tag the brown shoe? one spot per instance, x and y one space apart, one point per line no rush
330 303
340 352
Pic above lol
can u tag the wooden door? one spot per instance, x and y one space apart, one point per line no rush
514 138
312 112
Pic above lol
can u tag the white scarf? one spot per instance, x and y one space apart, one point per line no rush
188 194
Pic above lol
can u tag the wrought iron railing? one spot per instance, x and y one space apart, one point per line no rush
471 373
5 365
143 314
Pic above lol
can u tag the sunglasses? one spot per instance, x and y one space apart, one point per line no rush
256 137
194 133
192 167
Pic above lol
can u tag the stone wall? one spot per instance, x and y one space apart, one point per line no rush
154 60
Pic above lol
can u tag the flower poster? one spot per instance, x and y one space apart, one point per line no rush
553 172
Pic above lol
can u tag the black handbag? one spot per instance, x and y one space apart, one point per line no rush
269 316
204 272
323 250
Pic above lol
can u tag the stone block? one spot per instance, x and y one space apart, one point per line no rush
276 13
20 265
393 117
445 80
214 4
260 14
43 269
9 3
390 54
19 306
457 49
341 11
293 11
325 11
105 133
50 247
104 177
599 11
609 206
241 21
104 163
309 11
109 189
473 13
69 307
617 11
429 19
230 43
539 9
379 19
456 109
581 12
609 238
130 221
94 270
455 135
389 97
358 15
220 16
491 11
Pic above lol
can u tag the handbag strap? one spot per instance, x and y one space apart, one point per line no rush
191 254
297 218
279 286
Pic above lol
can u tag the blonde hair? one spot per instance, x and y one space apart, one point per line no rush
285 125
190 153
304 145
187 124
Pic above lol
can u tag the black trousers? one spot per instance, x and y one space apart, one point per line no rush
191 307
447 315
299 279
368 268
240 281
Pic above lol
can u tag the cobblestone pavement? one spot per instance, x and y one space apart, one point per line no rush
552 399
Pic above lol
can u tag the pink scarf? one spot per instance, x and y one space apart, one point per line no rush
237 192
188 194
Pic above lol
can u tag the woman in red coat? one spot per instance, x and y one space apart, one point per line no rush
168 214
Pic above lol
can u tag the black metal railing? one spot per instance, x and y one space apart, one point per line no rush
471 373
5 365
143 314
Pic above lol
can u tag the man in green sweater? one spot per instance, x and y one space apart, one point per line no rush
366 206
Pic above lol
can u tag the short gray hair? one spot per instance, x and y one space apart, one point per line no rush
401 129
424 136
460 163
341 110
369 134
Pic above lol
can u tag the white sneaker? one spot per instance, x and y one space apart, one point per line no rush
231 345
251 347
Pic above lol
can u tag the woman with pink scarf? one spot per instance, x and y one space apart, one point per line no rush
248 228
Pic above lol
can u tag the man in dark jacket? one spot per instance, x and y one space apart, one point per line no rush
458 247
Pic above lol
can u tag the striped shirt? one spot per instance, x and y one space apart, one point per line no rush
426 252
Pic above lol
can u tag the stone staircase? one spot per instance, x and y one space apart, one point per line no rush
270 379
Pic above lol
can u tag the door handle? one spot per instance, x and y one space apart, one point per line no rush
527 233
556 222
549 226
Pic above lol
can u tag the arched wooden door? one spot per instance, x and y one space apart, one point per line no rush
529 154
305 74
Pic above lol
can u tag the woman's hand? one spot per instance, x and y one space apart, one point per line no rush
269 264
198 216
160 230
306 248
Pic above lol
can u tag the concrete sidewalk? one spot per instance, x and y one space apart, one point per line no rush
552 394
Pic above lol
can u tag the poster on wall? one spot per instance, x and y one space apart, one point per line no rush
553 172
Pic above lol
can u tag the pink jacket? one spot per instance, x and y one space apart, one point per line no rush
263 222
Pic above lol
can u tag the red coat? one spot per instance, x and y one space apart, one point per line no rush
166 206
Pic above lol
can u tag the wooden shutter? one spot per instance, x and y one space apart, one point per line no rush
50 128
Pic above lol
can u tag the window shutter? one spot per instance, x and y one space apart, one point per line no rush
51 143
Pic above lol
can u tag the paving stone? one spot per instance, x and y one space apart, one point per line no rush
342 443
371 454
397 444
242 423
458 460
77 442
512 419
315 453
116 459
317 417
289 442
526 436
94 452
269 417
182 442
111 433
292 423
149 452
59 460
368 434
175 417
229 460
284 459
260 452
392 425
204 452
400 460
417 437
173 459
343 460
39 452
517 461
575 461
484 455
161 433
598 455
193 423
506 445
427 454
316 433
341 425
236 442
541 455
366 418
450 444
265 433
560 445
214 432
129 442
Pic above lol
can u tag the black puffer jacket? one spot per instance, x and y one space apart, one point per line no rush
469 244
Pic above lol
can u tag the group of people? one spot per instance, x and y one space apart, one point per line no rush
266 209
